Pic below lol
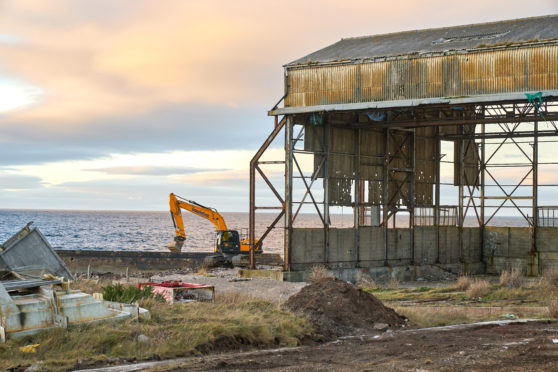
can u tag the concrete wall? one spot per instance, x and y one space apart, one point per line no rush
137 261
308 247
504 247
547 246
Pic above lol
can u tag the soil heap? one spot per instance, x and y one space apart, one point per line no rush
337 308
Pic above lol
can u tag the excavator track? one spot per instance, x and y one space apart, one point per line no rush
219 260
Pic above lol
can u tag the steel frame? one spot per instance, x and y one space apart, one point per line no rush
506 117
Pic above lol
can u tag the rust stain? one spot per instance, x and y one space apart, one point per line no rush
467 74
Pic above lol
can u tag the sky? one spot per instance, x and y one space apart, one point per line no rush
112 105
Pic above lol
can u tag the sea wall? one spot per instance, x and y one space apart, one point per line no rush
119 262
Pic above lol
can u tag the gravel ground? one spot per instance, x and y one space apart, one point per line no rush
227 281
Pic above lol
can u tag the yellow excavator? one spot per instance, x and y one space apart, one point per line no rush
228 245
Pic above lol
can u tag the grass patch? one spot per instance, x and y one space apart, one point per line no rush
179 330
428 307
90 285
416 294
496 294
463 283
318 272
393 283
424 317
522 294
550 277
365 281
512 279
553 307
478 289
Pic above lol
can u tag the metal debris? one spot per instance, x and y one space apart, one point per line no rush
29 255
37 295
182 292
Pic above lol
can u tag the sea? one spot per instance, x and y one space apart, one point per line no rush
152 231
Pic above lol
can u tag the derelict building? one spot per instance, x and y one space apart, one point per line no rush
429 126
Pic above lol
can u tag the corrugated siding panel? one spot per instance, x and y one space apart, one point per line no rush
489 72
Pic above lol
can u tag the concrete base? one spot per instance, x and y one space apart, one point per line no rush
48 307
402 273
269 274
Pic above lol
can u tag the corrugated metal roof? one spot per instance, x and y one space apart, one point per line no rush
436 40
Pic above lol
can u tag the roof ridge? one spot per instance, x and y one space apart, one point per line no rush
448 27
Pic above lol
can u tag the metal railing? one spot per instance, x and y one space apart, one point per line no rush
547 216
424 216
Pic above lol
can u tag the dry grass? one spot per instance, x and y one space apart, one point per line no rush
478 288
463 283
235 298
179 330
433 316
393 284
202 271
318 272
365 281
513 278
90 285
552 305
549 277
424 317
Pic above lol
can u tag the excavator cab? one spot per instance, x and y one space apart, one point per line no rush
228 241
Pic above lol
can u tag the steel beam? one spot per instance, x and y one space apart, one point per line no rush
437 194
460 181
326 193
385 194
535 214
356 209
252 208
288 192
411 201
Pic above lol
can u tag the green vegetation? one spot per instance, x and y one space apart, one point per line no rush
473 300
414 294
128 295
497 295
179 330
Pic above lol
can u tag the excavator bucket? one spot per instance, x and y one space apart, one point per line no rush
175 246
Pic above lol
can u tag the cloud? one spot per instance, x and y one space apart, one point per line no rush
149 194
107 59
27 152
231 178
145 170
172 127
116 74
148 56
10 181
106 77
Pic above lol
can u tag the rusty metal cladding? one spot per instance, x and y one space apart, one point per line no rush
342 155
470 159
518 69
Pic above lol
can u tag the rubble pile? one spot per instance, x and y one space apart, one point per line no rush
339 308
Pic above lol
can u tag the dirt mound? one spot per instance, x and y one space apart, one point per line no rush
339 308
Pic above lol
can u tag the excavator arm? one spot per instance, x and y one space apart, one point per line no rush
176 204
